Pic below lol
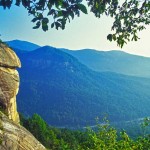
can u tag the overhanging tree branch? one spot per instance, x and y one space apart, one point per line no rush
130 17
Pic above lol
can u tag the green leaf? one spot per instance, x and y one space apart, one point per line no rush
52 25
45 27
57 25
52 11
110 37
45 24
40 16
37 25
18 2
82 8
72 15
45 20
34 19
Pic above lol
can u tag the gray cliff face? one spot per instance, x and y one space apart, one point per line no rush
12 135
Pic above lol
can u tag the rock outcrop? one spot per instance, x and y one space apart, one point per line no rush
9 81
15 137
12 135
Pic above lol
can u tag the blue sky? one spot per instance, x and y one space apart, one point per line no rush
83 32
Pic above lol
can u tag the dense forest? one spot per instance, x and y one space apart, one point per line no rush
113 61
82 92
104 137
73 95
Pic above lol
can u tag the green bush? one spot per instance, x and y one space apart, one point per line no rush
104 138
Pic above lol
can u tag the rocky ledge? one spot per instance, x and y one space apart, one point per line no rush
12 135
15 137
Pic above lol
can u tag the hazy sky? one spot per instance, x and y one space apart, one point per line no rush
83 32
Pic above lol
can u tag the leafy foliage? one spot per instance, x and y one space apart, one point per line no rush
105 137
130 17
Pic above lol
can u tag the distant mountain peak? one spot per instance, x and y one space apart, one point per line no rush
48 50
22 45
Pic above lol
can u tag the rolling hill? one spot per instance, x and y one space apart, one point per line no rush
113 61
66 93
101 61
22 45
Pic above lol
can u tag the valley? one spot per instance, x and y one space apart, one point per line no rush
66 92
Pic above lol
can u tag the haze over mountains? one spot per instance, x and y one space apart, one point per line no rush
22 45
113 61
65 92
102 61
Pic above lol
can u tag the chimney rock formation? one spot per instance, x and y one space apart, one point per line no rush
12 135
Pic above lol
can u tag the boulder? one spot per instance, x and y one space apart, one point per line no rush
8 58
15 137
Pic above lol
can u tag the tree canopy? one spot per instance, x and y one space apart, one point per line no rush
130 16
102 137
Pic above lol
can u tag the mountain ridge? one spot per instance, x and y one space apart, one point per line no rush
71 94
22 45
113 61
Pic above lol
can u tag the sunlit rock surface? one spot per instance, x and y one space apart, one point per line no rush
15 137
12 135
9 81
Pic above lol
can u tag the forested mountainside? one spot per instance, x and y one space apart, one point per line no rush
114 61
66 93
